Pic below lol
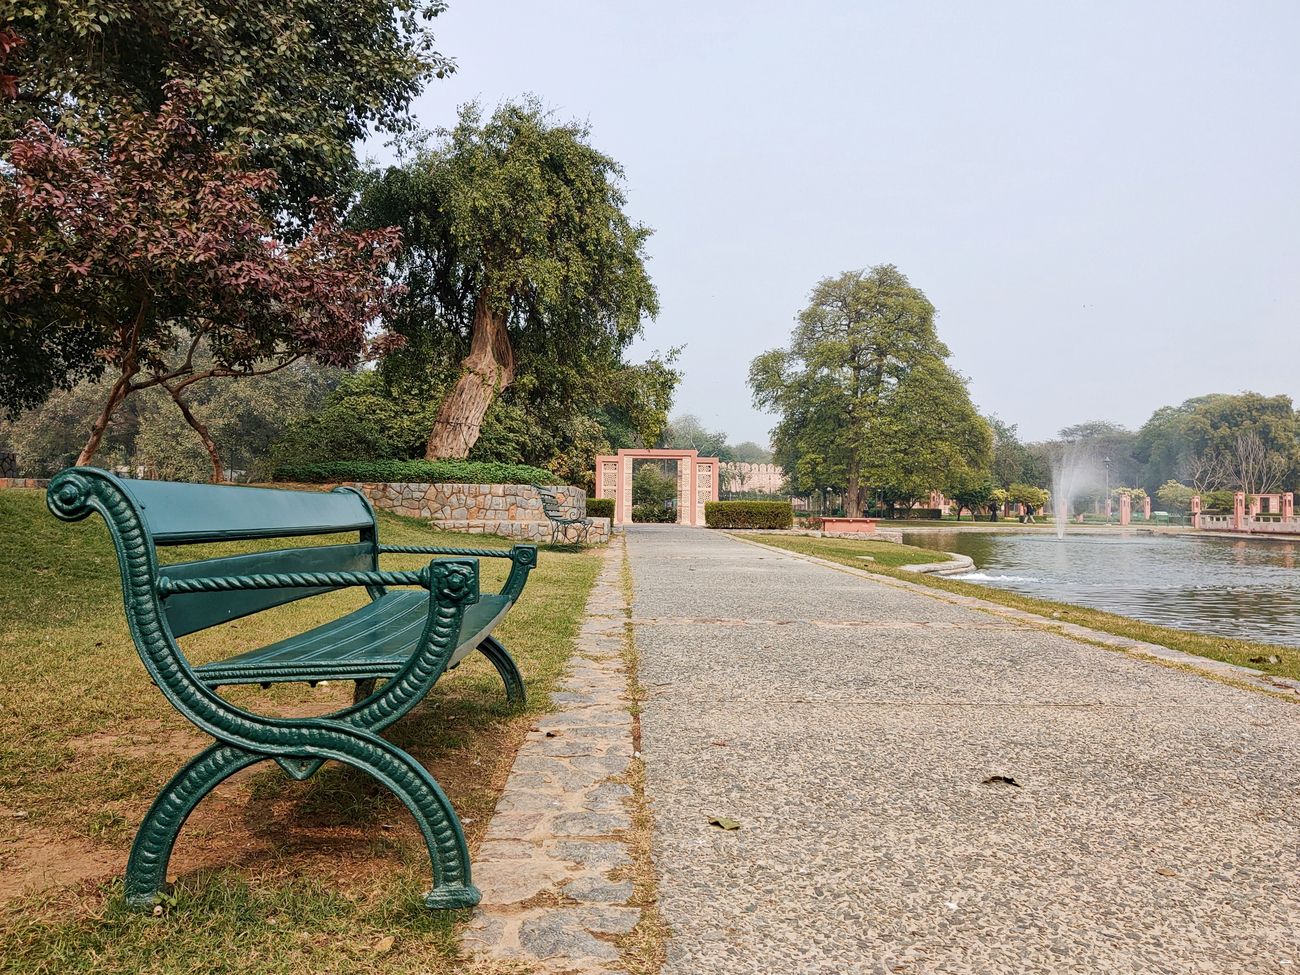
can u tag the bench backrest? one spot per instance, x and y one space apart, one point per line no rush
189 514
552 507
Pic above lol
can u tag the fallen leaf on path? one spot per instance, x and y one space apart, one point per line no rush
723 822
1166 872
1001 780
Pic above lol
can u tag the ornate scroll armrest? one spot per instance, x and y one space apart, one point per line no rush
523 557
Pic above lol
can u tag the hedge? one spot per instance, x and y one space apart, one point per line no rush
748 514
413 471
600 507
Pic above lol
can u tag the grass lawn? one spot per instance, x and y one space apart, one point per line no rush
888 557
272 875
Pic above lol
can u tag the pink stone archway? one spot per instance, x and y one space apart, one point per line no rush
697 482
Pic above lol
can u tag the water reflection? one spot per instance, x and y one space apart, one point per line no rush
1231 587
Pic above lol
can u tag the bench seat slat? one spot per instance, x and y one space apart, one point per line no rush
374 641
184 514
191 612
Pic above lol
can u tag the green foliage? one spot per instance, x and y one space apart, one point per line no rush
245 417
600 507
1218 501
1033 498
653 514
412 471
519 263
1200 442
127 257
654 494
1173 496
296 85
865 398
687 432
362 419
748 514
974 496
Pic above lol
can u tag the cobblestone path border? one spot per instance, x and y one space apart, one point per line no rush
555 865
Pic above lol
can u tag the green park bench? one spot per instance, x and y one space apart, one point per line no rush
406 637
561 522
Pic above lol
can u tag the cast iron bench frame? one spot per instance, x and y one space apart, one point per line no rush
164 602
553 508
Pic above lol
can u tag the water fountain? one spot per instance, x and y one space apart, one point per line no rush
1074 470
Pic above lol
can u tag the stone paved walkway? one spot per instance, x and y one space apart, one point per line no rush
851 726
551 865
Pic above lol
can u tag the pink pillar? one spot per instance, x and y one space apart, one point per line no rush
1254 505
1125 509
1288 506
1239 511
1146 509
1196 511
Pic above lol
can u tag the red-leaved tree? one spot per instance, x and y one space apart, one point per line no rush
123 257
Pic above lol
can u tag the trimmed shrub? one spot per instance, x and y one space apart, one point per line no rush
600 507
413 471
653 514
748 514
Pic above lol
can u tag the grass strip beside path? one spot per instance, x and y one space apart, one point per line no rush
274 876
889 556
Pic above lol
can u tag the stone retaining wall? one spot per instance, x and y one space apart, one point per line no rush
509 510
24 482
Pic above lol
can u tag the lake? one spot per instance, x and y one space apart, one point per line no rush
1232 587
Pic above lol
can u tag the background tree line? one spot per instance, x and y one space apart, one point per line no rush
183 216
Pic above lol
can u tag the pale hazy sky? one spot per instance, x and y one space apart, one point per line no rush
1100 198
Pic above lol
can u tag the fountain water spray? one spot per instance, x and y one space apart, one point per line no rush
1075 470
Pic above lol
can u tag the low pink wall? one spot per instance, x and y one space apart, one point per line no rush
855 526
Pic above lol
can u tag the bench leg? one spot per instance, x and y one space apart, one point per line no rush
505 665
146 870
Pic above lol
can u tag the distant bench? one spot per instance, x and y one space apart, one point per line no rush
408 637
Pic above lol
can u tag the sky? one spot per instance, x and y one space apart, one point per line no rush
1100 198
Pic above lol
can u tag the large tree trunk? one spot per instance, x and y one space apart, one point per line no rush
199 427
853 496
488 369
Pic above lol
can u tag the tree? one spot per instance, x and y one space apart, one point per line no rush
998 498
1008 463
929 438
1175 496
1197 440
1033 498
244 417
861 335
687 432
748 452
1254 467
297 83
519 259
973 496
132 261
653 494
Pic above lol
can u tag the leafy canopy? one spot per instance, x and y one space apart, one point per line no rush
127 260
296 82
864 396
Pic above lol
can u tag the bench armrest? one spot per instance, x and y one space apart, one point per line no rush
524 558
168 586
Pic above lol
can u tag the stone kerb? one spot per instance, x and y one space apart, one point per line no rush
509 510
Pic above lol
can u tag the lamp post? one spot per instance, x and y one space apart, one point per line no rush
1106 462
